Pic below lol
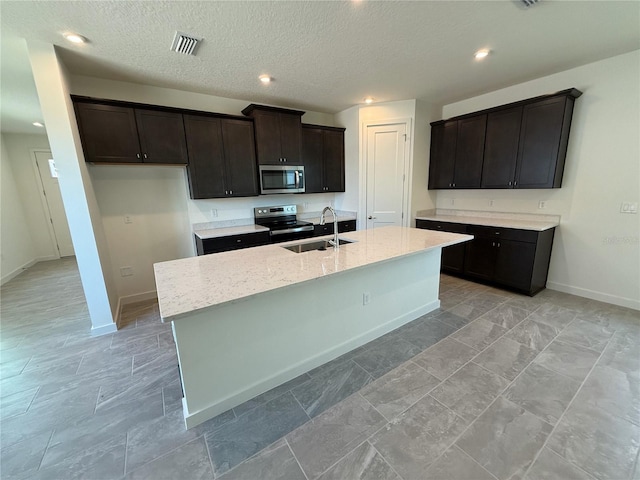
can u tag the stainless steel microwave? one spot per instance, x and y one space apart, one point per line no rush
281 179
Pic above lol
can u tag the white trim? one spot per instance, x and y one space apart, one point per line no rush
135 298
103 330
30 263
43 200
408 168
593 295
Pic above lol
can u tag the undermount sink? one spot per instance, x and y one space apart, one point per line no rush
317 245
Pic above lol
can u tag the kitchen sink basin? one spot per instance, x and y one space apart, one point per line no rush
317 245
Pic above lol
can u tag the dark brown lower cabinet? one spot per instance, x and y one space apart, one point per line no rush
507 257
327 228
231 242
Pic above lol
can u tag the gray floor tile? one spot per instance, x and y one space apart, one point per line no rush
533 334
542 392
22 460
614 391
479 334
376 362
323 441
506 357
275 462
172 397
473 308
418 437
551 466
445 357
604 445
326 389
470 390
505 439
270 395
189 461
364 463
240 439
622 353
168 433
587 334
454 464
554 315
399 389
568 359
452 319
17 403
427 332
507 316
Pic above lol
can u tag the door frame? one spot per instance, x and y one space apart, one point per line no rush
408 168
43 200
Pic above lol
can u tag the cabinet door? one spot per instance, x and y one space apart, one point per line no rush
501 148
480 258
540 136
267 126
333 153
162 137
206 156
469 152
108 133
312 159
443 155
240 158
514 264
290 138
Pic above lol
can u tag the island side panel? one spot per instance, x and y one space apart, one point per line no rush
231 353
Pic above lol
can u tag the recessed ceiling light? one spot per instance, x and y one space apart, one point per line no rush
368 100
75 38
38 124
265 79
480 54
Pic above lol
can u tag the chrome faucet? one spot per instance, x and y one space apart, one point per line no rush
335 242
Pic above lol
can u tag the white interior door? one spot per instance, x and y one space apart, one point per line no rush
385 162
55 207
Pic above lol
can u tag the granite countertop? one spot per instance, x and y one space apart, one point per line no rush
204 234
490 219
328 218
191 284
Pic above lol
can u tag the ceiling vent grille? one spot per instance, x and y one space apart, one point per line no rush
183 43
529 3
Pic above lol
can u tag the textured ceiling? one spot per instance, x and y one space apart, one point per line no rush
323 55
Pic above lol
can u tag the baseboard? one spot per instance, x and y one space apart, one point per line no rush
593 295
129 299
195 418
103 330
13 274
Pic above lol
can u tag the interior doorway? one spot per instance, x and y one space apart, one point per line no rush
47 175
386 163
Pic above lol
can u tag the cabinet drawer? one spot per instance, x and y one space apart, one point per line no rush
346 226
327 228
442 226
234 242
530 236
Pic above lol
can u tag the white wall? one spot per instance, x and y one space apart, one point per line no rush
16 247
595 252
350 119
421 197
19 149
77 193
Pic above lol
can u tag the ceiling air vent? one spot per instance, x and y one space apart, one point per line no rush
183 43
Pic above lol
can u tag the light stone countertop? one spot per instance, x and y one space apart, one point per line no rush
195 283
519 221
328 218
228 231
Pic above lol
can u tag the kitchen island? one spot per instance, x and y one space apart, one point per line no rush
248 320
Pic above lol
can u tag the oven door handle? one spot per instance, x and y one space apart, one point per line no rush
306 228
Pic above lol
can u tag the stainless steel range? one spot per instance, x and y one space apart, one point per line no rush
283 223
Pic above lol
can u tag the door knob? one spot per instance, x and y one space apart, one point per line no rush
371 218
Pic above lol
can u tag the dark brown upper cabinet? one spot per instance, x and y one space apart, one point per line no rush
113 133
323 158
222 161
524 145
457 152
278 134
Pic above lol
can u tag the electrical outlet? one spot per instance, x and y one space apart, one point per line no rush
629 207
214 213
542 204
126 271
305 205
491 203
366 298
128 219
453 202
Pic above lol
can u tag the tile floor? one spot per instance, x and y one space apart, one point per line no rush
494 385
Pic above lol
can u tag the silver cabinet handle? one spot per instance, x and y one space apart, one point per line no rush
145 156
138 155
230 192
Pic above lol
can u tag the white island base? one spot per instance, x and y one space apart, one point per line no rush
236 350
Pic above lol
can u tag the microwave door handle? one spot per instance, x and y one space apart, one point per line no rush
297 179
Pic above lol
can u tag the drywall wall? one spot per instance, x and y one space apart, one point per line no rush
350 120
421 197
16 247
595 252
20 147
77 193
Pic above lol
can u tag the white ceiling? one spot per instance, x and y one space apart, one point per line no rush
323 55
